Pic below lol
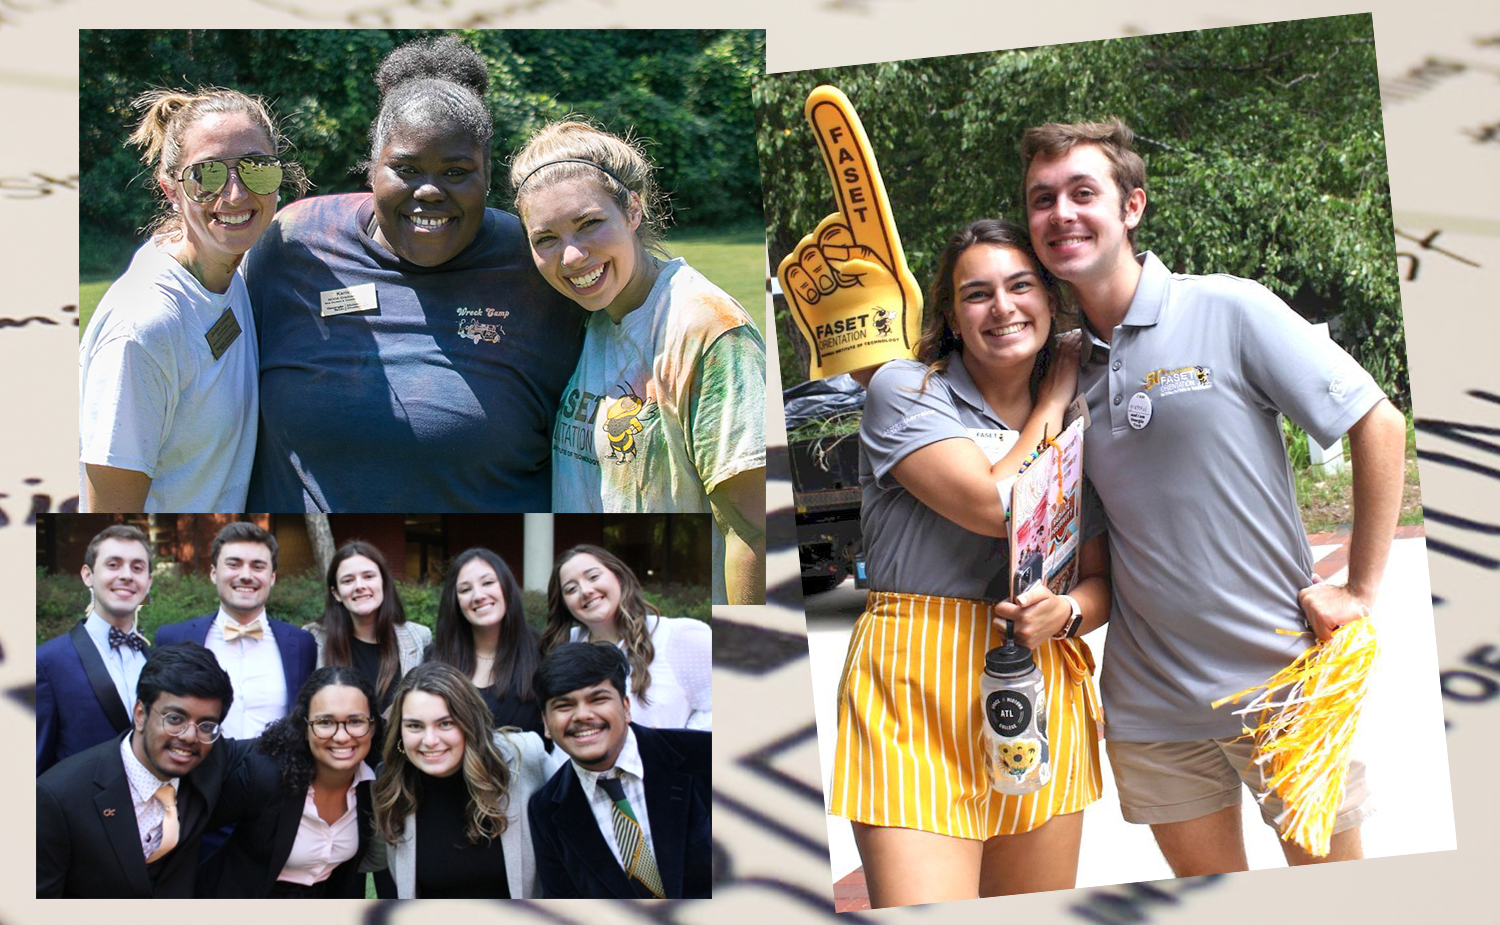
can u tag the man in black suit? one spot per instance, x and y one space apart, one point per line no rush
629 816
123 819
85 679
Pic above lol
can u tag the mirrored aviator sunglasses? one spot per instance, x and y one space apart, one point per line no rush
203 181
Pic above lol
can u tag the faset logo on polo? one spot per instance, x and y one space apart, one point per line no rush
1182 379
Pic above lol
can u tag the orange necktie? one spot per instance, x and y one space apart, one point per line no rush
166 795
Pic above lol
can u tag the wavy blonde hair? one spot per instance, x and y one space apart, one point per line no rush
397 790
622 169
630 618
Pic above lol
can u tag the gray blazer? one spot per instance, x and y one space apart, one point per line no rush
412 639
527 759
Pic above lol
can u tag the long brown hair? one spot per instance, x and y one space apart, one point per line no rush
398 789
939 340
516 654
338 625
630 618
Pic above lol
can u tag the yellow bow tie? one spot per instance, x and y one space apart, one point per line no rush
252 630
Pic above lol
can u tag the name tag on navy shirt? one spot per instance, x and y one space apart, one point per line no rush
224 332
359 298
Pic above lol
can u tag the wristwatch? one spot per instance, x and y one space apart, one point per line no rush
1070 629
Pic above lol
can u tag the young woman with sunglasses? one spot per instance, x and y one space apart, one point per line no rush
168 365
302 799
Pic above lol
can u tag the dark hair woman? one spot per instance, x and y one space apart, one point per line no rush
482 631
302 799
364 623
594 596
413 317
464 785
940 437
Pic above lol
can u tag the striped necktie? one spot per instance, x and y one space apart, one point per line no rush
638 862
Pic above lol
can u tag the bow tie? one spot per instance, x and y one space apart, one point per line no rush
251 630
118 638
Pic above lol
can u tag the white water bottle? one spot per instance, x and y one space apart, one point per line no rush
1015 719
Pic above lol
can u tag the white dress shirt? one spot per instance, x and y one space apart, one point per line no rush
320 847
631 782
123 663
149 812
254 666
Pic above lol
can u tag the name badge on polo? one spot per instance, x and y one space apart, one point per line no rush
359 298
994 443
1140 410
224 332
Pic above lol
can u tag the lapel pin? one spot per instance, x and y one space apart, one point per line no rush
109 812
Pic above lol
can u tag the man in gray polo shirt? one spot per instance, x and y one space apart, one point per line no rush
1185 378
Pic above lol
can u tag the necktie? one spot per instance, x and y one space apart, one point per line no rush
251 630
638 863
118 638
167 797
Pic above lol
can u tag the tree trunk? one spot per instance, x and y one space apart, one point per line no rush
322 540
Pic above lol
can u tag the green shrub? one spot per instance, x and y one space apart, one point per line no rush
61 600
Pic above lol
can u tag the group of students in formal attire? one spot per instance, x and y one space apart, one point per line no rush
246 757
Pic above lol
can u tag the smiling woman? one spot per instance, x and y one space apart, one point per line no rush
463 785
167 372
411 358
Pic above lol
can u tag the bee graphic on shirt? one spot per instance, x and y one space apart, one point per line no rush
626 417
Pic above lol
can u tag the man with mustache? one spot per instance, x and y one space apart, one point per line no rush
124 819
85 679
628 817
1185 379
267 659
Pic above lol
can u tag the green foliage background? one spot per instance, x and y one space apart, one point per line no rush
687 92
61 600
1264 148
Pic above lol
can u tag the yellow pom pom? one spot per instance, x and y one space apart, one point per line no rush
1307 714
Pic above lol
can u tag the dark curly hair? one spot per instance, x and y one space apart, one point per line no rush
432 80
286 739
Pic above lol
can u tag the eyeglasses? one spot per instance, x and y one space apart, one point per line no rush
175 724
325 727
205 180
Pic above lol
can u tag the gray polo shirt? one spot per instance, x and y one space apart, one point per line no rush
1184 447
909 547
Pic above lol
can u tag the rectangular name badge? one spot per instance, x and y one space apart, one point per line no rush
994 443
224 332
359 298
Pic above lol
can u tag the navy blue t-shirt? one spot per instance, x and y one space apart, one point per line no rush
437 391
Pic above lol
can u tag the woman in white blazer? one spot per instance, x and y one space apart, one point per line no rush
463 785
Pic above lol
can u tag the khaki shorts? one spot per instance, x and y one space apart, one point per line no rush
1177 781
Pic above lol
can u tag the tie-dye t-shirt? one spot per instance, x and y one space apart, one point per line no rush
663 406
389 386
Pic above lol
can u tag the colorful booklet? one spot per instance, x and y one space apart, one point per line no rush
1045 514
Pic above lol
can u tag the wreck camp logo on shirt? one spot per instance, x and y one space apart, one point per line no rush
482 324
1182 379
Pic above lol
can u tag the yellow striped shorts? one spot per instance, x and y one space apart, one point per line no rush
910 723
